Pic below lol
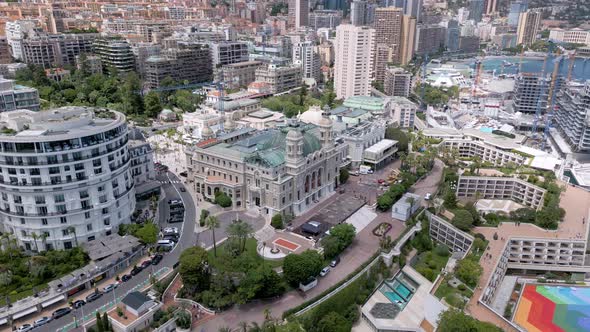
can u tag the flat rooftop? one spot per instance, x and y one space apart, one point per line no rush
380 146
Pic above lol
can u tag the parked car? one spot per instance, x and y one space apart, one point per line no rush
165 243
109 287
427 196
169 230
171 237
42 321
174 201
335 262
324 271
175 212
25 328
175 219
60 312
146 263
184 174
126 277
157 259
78 304
93 297
136 270
183 189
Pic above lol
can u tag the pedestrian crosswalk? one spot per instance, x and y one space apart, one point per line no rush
172 182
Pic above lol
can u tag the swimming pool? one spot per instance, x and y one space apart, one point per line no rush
554 308
399 289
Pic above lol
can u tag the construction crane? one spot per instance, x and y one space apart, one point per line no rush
570 68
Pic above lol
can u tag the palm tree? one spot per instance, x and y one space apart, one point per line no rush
44 237
240 230
72 229
212 223
35 237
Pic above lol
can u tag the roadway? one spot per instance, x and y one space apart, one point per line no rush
171 188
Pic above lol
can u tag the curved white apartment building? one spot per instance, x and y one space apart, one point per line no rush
64 176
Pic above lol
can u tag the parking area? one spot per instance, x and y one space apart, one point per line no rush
330 215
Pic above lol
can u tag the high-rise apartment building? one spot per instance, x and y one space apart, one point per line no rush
572 116
5 55
239 75
224 53
329 19
491 7
65 176
355 58
476 9
429 38
15 97
516 8
398 82
408 39
16 32
188 62
141 52
388 39
413 8
453 35
279 78
362 12
56 50
305 54
529 23
298 15
530 93
115 53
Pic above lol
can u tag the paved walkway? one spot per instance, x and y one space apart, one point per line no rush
199 316
576 203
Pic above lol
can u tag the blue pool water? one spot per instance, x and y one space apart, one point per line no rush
402 290
486 129
395 298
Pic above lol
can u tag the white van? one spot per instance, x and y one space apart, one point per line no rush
166 243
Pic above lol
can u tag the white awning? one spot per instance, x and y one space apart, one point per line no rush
52 301
24 313
3 321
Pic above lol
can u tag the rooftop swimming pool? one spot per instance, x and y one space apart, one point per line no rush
399 290
554 308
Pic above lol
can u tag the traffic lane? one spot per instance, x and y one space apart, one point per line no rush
169 260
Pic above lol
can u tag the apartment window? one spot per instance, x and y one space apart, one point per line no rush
55 179
102 199
115 183
39 199
63 220
59 198
44 221
20 210
42 210
89 227
65 232
105 210
36 181
85 205
101 188
17 199
61 208
98 170
79 167
107 221
23 233
34 171
53 170
46 234
83 194
87 215
22 221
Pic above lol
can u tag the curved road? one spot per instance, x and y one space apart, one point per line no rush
171 187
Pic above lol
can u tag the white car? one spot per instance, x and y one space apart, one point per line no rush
325 271
109 288
42 321
427 196
25 328
171 230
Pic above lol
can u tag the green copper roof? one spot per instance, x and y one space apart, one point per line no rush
365 103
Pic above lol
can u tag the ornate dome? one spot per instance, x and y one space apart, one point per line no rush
206 132
313 115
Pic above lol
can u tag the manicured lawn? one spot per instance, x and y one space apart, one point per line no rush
430 264
452 295
223 256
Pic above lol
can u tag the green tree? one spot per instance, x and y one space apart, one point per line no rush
148 233
344 175
105 322
402 138
463 220
240 231
212 223
277 221
523 215
167 82
223 200
129 94
344 233
203 217
455 320
333 322
194 269
302 94
450 200
262 282
468 270
298 268
384 201
331 247
152 103
99 323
